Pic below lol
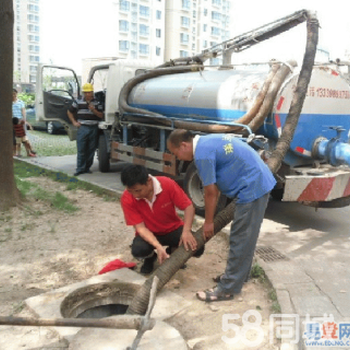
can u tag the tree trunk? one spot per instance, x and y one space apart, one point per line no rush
9 195
165 271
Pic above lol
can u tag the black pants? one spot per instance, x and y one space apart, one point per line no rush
142 249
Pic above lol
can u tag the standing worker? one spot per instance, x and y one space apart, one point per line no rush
229 165
85 114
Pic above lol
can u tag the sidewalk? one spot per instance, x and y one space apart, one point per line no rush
304 253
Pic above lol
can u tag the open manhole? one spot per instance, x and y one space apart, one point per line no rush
99 300
270 254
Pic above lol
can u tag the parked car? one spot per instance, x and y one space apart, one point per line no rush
53 127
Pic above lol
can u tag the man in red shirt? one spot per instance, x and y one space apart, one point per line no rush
149 204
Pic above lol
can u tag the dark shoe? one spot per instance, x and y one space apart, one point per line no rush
88 172
78 173
148 264
213 294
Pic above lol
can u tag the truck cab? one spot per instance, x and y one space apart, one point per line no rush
57 87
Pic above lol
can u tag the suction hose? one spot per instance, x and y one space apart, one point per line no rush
165 271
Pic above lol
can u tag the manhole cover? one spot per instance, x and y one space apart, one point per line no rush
270 254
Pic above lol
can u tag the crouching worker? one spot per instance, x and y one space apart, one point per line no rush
149 204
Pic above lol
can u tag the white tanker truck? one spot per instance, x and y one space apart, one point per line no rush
251 101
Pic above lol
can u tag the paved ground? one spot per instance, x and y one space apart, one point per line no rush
304 252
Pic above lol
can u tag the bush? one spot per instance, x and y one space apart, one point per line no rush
27 98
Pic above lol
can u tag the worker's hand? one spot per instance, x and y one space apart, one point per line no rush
77 124
91 107
188 240
208 230
162 254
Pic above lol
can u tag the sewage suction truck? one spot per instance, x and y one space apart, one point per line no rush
251 101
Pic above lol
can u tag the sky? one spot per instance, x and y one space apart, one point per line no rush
75 29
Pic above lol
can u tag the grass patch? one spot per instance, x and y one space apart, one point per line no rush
51 145
24 170
56 200
258 272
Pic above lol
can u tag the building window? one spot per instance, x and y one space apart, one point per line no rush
33 18
33 28
185 21
186 4
123 45
159 14
184 38
123 26
158 33
158 51
33 8
194 14
124 5
144 30
33 68
216 2
144 11
205 12
183 53
215 31
33 58
205 43
34 48
215 16
144 49
204 27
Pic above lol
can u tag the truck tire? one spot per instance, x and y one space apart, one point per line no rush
50 128
194 189
277 194
103 155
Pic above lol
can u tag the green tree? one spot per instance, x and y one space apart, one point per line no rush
9 194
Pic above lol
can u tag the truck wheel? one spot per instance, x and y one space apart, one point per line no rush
277 194
103 155
194 188
50 128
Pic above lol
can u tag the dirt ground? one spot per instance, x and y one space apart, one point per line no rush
42 249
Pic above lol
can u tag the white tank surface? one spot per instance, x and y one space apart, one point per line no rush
326 106
218 95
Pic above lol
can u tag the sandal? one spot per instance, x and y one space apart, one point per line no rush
214 294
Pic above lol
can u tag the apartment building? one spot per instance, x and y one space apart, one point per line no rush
194 25
141 29
26 41
160 30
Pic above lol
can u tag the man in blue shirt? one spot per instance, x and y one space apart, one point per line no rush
228 165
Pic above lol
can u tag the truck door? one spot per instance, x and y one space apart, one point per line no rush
56 89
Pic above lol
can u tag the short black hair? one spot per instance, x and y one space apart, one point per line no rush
15 120
180 135
134 174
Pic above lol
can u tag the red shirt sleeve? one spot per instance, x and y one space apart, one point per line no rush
131 214
178 195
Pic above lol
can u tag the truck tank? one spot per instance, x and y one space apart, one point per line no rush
225 96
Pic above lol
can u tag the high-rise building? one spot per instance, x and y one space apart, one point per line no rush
26 40
160 30
194 25
141 29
